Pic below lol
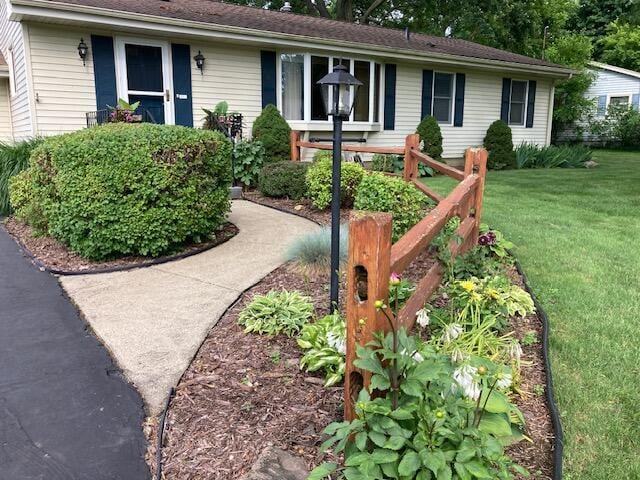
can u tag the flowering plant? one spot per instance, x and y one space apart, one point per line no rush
123 111
325 342
494 240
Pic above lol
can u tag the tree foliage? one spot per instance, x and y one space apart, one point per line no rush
621 46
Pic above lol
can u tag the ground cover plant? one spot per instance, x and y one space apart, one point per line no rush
276 312
574 231
14 158
126 189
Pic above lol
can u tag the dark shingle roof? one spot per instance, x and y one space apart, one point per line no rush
218 13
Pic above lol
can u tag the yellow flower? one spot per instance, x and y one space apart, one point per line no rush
493 293
468 285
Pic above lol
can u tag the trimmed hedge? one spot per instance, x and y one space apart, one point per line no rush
283 179
381 193
274 133
125 189
499 143
319 181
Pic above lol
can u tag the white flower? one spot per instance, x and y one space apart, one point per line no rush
452 332
504 381
515 351
336 342
422 317
465 379
418 357
458 356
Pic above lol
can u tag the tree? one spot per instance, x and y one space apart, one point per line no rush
431 136
593 17
499 143
274 133
621 46
348 10
570 103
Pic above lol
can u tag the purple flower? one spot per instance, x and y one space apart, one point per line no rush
488 238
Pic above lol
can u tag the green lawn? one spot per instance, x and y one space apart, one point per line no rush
577 235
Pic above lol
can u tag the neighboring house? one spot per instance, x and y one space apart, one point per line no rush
613 86
144 50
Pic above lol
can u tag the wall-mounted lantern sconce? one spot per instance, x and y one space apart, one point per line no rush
199 58
83 49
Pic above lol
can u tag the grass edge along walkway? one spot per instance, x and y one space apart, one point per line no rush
577 237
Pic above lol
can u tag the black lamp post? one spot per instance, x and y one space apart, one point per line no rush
339 92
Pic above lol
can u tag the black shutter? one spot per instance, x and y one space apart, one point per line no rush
268 66
506 94
104 71
181 58
531 103
458 109
389 96
427 93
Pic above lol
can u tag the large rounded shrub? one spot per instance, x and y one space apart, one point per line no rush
499 143
124 189
431 137
283 179
381 193
319 181
275 134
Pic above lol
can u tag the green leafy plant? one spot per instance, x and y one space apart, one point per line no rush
123 111
431 137
323 155
126 189
311 253
529 338
325 343
383 163
278 311
529 155
283 179
380 193
319 181
274 133
247 161
494 241
619 128
14 158
401 291
499 143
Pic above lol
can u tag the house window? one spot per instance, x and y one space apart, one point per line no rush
518 102
301 96
12 73
619 100
443 97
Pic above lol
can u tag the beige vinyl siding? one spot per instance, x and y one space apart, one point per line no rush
63 87
11 38
5 112
231 74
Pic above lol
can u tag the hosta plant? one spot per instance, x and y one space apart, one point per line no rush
324 342
278 311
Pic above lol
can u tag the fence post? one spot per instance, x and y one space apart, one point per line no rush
410 162
368 272
475 162
295 148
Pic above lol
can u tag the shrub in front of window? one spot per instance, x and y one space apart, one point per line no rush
319 182
431 136
283 179
499 143
381 193
274 133
127 189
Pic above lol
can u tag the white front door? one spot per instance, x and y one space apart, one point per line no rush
143 71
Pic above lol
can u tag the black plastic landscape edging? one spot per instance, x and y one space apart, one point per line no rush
120 268
558 446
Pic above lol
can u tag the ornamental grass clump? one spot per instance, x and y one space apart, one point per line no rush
14 158
278 311
126 189
311 253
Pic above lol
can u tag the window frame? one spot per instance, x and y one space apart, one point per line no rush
307 122
629 97
525 104
13 85
453 97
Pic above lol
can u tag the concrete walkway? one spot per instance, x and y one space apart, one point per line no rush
65 411
154 319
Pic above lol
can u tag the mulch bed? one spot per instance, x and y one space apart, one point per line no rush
302 207
54 256
245 392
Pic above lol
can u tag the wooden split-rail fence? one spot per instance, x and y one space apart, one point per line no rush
372 256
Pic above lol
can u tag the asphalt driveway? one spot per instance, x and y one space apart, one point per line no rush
66 413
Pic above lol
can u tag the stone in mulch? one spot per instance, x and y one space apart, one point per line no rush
276 464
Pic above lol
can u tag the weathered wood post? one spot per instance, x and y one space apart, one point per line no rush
475 162
410 161
295 148
368 272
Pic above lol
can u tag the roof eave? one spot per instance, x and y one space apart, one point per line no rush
34 9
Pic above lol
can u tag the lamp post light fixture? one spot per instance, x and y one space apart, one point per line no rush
339 92
83 49
199 58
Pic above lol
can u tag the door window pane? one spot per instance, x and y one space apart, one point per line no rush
442 97
144 68
361 106
293 86
319 68
517 105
